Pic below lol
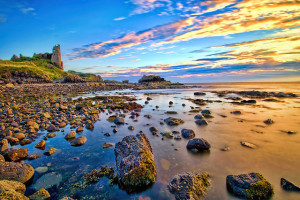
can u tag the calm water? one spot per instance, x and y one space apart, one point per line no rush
277 154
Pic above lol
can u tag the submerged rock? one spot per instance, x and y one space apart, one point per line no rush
42 194
189 185
16 171
135 162
47 181
173 121
198 144
187 133
249 186
287 185
12 190
119 121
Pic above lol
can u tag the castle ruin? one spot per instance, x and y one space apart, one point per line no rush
55 57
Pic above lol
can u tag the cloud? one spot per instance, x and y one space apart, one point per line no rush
119 18
115 46
27 10
145 6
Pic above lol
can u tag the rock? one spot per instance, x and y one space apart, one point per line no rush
4 146
248 101
106 134
107 145
171 102
198 144
225 148
167 134
115 130
2 159
287 185
62 125
47 181
12 140
198 117
90 126
79 129
153 129
189 185
42 194
16 171
17 154
249 186
201 122
12 190
173 121
47 115
20 136
199 93
119 121
70 135
50 151
79 141
40 144
177 137
171 112
51 128
34 156
135 162
269 121
248 144
236 112
41 169
206 112
130 128
51 135
187 133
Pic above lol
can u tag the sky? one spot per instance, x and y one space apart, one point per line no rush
183 41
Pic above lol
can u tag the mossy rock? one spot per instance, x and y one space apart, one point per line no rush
249 186
12 190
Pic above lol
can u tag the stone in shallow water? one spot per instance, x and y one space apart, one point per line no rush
248 144
17 154
249 186
189 185
42 194
41 169
287 185
198 144
135 163
187 133
171 121
47 181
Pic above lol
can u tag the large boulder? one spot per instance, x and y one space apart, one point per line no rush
198 144
135 162
171 121
16 171
189 185
12 190
187 133
249 186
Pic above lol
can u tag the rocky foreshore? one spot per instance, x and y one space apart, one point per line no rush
39 112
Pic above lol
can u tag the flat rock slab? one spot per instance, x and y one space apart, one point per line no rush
189 185
249 145
16 171
135 163
249 186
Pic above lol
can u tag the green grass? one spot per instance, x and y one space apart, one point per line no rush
33 68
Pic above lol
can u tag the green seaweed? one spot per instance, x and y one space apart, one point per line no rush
260 190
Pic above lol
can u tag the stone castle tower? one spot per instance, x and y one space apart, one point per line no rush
56 57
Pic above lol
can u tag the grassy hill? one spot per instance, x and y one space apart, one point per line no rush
39 70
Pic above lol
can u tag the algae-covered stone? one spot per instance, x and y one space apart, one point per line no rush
42 194
16 171
249 186
12 190
135 162
173 121
189 185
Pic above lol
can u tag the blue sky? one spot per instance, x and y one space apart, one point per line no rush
185 41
